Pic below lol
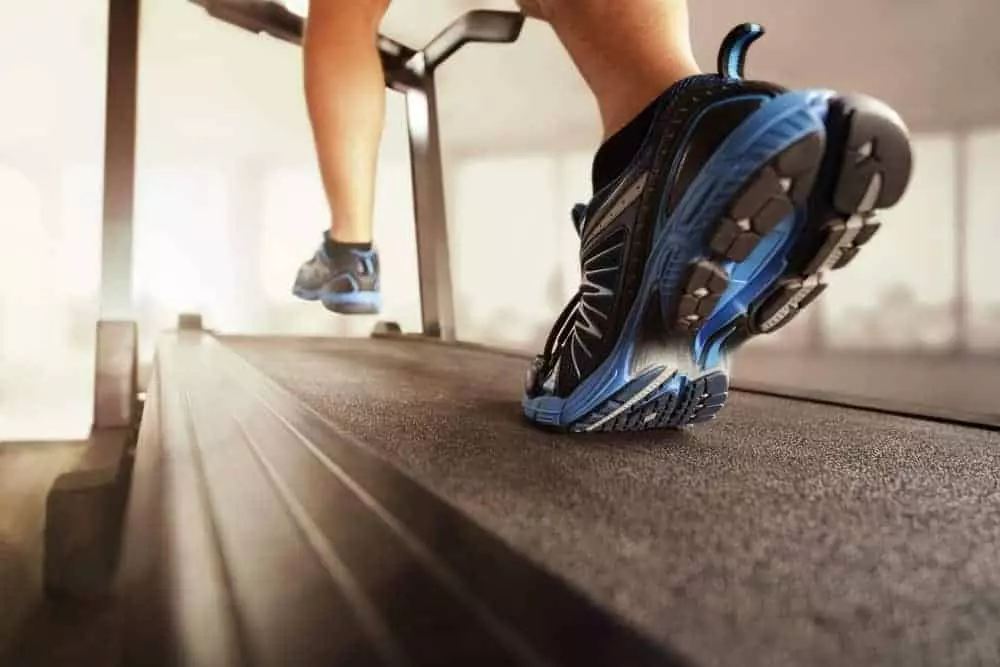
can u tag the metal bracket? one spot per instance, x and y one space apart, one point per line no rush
116 386
427 174
481 25
410 72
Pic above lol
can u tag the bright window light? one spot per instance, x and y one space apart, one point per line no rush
300 7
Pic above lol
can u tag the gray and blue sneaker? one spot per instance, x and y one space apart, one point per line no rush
344 279
739 201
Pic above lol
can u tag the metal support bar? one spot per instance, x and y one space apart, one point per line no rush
961 258
433 256
430 214
119 160
260 16
481 25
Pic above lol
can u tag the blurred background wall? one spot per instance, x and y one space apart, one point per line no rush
228 200
51 156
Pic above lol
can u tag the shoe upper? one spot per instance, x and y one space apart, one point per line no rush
691 120
345 270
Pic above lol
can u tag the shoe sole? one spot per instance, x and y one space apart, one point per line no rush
737 260
353 304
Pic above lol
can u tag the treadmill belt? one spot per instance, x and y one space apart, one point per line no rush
785 532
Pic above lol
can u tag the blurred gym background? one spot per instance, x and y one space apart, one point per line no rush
228 200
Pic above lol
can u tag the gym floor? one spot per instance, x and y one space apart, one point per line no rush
27 471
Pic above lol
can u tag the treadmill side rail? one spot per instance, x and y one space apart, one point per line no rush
258 532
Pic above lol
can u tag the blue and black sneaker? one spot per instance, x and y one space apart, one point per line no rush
344 278
740 199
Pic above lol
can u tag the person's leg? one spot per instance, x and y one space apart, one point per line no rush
627 52
719 207
345 95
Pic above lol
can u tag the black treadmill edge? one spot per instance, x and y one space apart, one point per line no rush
869 404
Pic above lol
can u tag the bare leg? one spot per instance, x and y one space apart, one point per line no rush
346 99
627 52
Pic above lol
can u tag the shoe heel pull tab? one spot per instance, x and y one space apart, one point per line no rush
733 52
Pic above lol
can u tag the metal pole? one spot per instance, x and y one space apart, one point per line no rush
433 257
961 212
119 160
116 382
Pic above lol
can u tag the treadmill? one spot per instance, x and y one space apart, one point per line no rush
382 502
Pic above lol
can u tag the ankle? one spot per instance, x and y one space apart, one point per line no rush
619 147
628 99
626 129
335 245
